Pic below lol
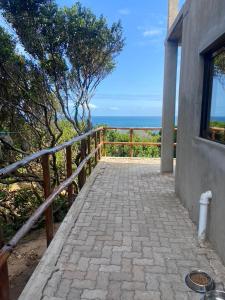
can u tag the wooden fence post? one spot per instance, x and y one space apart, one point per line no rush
89 151
82 175
4 276
213 135
99 142
49 223
104 139
131 141
69 172
96 145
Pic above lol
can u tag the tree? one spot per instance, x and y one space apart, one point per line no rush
28 108
45 91
73 48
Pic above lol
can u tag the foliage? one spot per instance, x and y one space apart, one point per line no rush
217 134
45 91
18 204
27 107
138 151
219 124
73 48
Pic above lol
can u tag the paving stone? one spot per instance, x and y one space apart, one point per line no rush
82 284
74 294
83 264
143 262
64 288
126 265
127 295
94 294
126 285
99 261
120 276
133 240
147 296
116 258
138 273
92 275
102 281
114 291
109 268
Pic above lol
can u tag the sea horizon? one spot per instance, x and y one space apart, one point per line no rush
128 121
136 121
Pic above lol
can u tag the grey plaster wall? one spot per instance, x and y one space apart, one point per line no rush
200 163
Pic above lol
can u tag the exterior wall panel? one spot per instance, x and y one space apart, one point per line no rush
200 163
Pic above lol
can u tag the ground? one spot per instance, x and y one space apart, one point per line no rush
126 236
24 260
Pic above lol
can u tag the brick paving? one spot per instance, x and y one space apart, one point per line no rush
132 240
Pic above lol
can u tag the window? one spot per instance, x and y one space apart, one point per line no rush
213 109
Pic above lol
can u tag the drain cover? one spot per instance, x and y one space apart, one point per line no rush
199 281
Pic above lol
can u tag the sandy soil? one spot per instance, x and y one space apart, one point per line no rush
24 259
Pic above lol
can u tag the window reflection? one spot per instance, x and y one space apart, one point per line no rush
216 125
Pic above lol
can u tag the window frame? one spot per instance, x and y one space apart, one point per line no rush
208 56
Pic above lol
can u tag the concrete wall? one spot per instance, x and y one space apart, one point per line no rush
200 163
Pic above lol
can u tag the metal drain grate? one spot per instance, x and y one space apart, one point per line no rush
199 281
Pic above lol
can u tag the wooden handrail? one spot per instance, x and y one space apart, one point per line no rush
99 135
7 249
13 167
137 128
131 143
46 206
217 129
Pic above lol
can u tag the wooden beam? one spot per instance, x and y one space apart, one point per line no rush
99 142
135 128
4 276
8 248
82 175
96 145
103 140
49 223
23 162
69 172
131 141
89 151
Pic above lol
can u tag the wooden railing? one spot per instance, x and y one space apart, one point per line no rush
131 142
215 130
49 194
87 153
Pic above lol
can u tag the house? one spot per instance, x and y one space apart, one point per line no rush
199 29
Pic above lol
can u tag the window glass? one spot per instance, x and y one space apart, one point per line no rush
216 96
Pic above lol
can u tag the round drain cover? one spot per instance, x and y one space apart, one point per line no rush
199 281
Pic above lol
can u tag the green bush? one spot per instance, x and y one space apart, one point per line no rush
138 151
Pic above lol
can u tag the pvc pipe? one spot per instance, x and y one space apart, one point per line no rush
203 214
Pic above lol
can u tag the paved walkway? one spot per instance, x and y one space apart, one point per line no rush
126 237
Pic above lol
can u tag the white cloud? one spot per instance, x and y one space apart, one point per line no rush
153 32
92 106
114 108
124 11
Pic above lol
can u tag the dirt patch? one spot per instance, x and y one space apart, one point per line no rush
24 260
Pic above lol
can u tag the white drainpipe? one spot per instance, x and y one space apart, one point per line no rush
203 213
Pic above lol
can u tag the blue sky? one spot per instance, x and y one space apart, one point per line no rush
135 87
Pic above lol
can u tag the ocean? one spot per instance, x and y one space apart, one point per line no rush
145 121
